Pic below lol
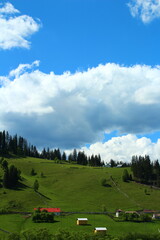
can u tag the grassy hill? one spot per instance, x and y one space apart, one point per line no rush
75 188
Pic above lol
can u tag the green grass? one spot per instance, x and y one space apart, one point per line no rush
17 223
76 188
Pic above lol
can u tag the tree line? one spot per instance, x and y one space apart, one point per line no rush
145 171
17 145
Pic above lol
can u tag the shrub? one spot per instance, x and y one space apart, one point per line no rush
146 218
14 236
37 234
103 182
43 216
33 173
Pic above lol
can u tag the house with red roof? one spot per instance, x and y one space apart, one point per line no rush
56 211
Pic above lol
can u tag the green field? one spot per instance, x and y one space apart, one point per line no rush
18 223
76 188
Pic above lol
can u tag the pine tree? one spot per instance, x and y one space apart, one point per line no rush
64 156
36 185
6 179
125 176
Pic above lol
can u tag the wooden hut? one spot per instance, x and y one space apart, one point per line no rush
82 221
101 230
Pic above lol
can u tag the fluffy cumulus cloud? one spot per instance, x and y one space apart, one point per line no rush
147 10
70 110
124 147
15 28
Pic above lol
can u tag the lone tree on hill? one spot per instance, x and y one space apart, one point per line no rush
36 185
125 176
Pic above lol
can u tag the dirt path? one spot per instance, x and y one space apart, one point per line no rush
122 192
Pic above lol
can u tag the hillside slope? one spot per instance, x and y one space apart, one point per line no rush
75 188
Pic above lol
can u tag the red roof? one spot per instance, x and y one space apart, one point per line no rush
49 209
148 211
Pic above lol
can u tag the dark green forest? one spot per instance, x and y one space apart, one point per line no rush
19 146
145 171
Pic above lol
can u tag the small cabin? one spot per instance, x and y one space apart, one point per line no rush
101 230
82 221
156 216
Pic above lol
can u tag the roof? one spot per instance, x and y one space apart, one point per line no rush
119 210
119 165
82 219
49 209
131 212
101 228
148 211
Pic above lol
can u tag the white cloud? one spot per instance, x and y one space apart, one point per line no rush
70 110
8 8
14 30
147 10
124 147
22 68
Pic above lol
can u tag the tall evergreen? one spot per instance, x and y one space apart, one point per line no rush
145 171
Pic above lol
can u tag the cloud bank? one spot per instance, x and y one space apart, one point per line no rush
71 110
123 148
14 30
146 10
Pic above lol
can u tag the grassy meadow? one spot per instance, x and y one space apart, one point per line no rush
76 188
18 223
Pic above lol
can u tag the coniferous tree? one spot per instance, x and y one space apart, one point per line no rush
6 178
36 185
75 155
64 158
125 176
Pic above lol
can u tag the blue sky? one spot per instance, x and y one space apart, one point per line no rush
82 72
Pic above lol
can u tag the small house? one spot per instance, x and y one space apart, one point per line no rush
156 216
101 230
82 221
119 166
118 212
56 211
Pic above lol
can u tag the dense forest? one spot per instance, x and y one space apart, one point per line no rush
19 146
145 171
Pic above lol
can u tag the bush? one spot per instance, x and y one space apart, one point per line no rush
103 182
33 173
37 234
43 216
14 236
146 218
